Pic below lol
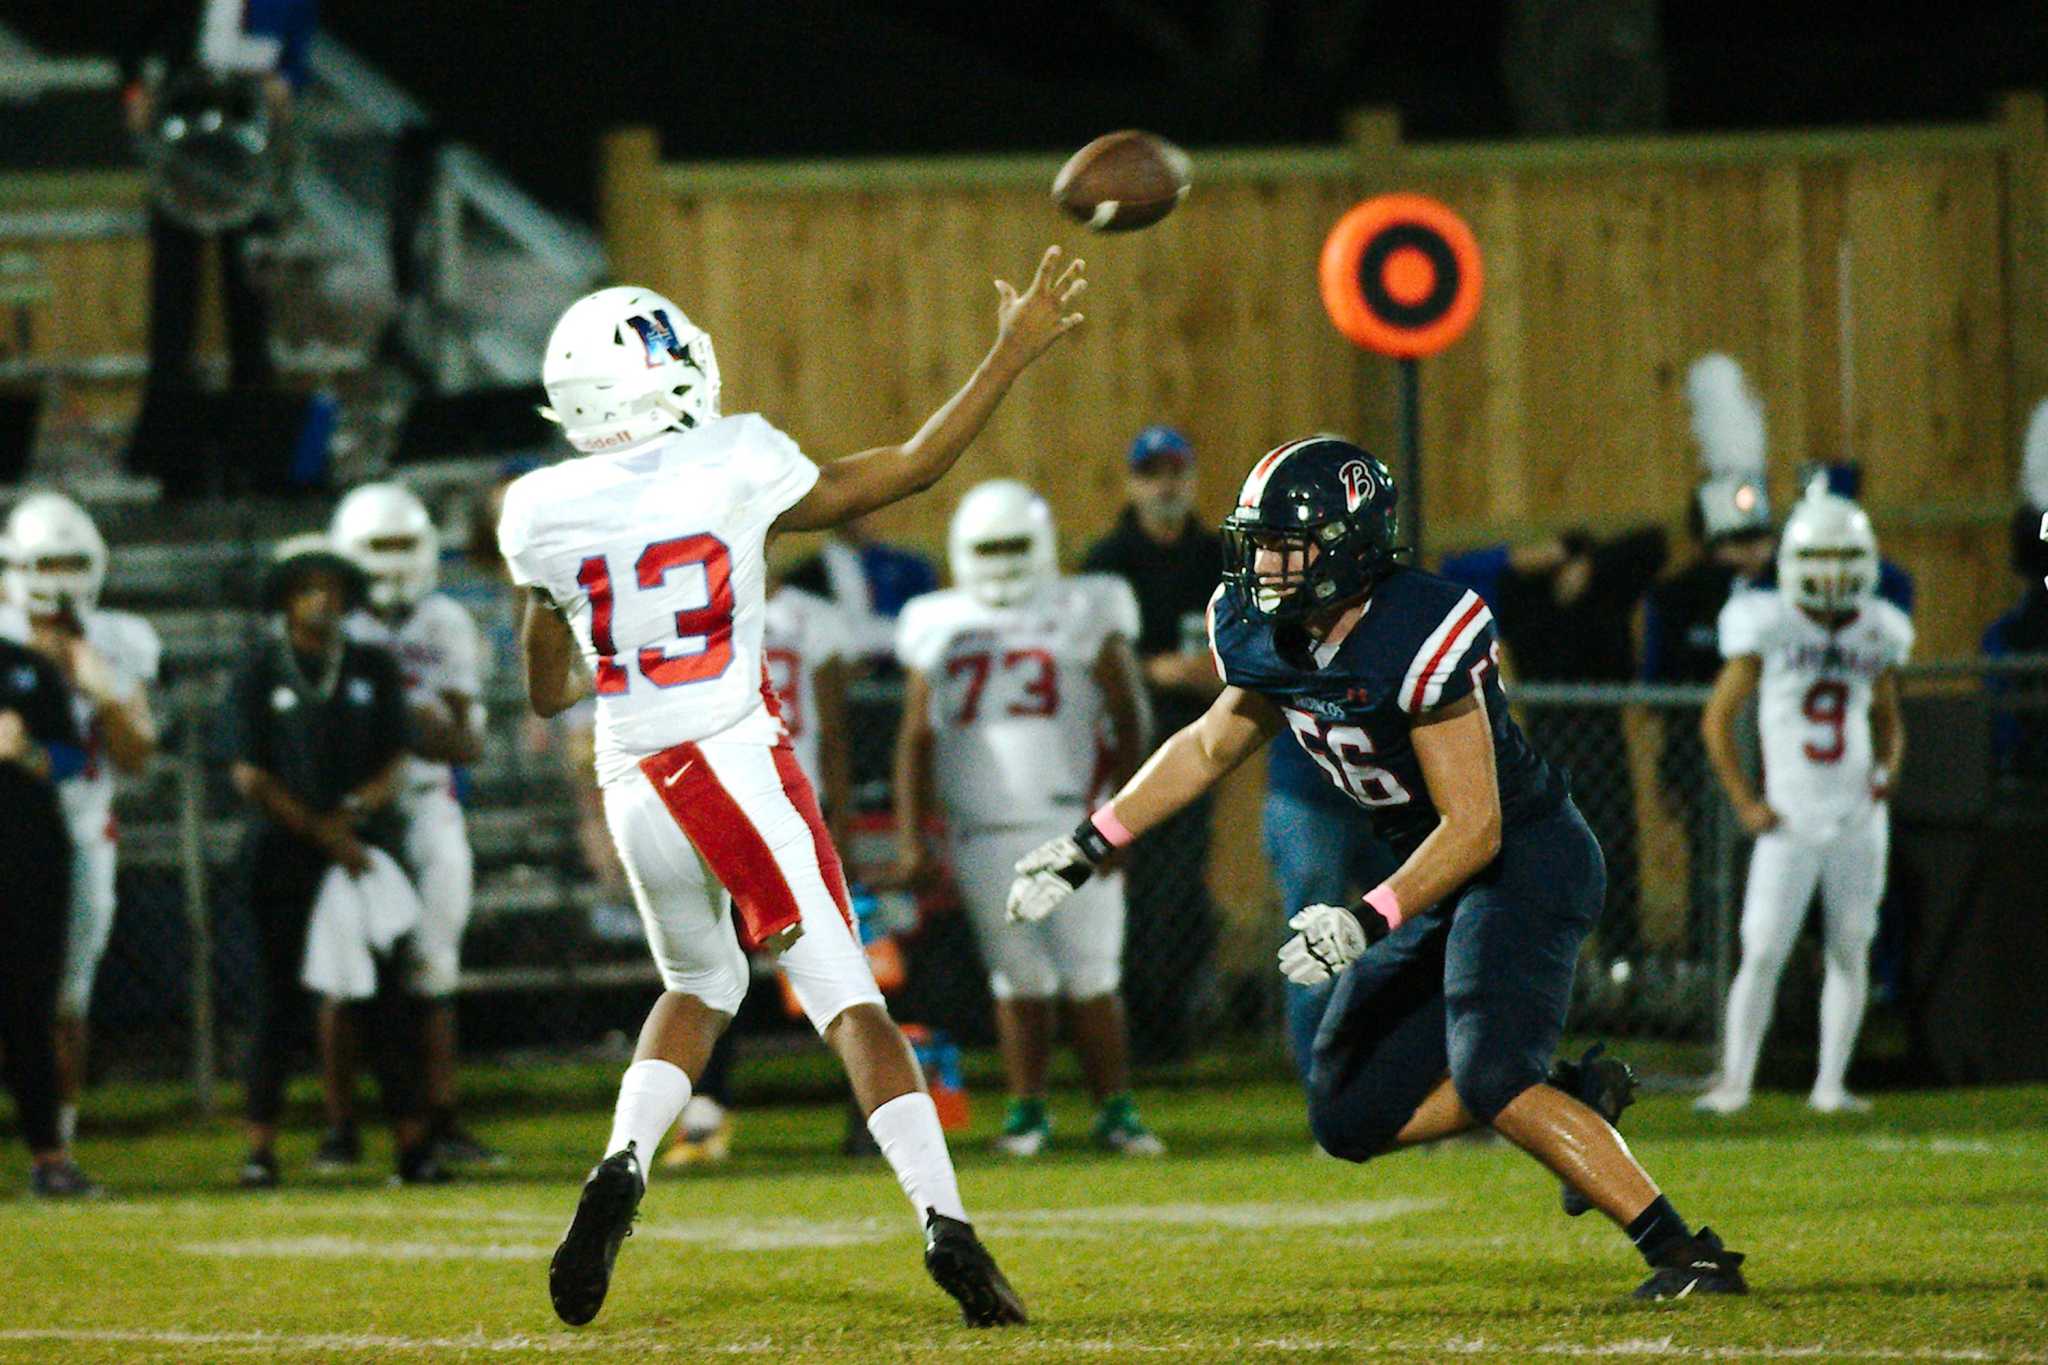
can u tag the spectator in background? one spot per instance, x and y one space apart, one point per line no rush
1730 519
38 748
318 742
869 581
269 40
1322 852
2019 735
1566 609
1173 563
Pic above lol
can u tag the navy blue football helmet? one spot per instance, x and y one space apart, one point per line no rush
1329 509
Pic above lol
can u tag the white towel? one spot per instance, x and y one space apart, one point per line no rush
354 918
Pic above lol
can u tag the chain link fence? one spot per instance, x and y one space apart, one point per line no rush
550 967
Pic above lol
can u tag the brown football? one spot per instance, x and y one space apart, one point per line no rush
1122 181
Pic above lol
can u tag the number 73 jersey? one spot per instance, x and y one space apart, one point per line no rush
657 555
1421 644
1019 723
1813 701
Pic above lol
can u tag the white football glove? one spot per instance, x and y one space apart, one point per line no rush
1330 939
1046 876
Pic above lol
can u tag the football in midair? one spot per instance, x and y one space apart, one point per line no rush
1122 181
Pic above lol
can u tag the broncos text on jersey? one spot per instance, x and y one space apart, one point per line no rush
1422 644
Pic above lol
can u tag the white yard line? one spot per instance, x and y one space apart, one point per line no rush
620 1344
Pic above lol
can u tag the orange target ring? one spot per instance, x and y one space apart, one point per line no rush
1400 275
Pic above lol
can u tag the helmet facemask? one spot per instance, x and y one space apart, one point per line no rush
1003 572
59 561
1290 574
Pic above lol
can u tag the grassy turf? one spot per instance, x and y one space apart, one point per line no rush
1916 1233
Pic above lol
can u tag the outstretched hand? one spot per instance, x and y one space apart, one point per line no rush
1027 324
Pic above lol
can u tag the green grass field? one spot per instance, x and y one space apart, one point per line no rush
1915 1234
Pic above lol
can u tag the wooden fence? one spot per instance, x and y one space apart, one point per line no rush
1884 288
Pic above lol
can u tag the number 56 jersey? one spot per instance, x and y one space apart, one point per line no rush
657 554
1019 722
1813 702
1421 644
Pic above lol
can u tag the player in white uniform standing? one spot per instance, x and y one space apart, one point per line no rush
110 658
1020 711
805 641
648 557
387 532
1824 650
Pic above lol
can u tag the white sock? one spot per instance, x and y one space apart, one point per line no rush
1844 988
67 1125
651 1094
907 1130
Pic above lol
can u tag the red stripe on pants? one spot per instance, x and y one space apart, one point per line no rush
763 904
798 788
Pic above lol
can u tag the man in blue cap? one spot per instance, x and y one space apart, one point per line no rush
1173 562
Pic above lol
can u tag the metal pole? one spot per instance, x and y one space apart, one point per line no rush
198 921
1411 451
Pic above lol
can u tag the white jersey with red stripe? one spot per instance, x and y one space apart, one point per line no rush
133 652
1813 702
439 651
1018 719
801 633
656 554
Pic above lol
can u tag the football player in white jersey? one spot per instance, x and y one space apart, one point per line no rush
387 532
59 563
1821 651
1020 710
647 556
805 642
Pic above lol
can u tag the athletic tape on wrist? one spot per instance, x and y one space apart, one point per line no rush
1382 900
1110 827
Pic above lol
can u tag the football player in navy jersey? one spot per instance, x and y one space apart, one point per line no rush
1453 974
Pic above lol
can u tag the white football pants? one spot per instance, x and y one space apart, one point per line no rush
1784 871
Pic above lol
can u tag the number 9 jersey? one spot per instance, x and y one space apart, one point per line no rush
658 556
1813 701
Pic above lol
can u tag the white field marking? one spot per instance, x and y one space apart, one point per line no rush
620 1344
328 1343
1945 1146
788 1234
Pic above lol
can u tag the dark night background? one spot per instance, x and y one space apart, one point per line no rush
534 84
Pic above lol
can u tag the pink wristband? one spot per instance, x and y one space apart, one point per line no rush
1109 827
1382 899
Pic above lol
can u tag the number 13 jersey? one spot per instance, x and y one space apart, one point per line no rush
1813 701
657 554
1422 643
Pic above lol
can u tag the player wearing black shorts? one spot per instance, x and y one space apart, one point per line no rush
1454 974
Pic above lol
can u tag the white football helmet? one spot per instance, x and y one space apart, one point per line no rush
1827 558
1001 543
625 364
58 558
385 530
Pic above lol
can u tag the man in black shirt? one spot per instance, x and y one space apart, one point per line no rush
38 747
1174 564
319 737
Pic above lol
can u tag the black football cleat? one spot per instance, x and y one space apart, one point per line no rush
1701 1266
961 1266
581 1271
1606 1085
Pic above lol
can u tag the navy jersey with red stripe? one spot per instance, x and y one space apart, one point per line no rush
1422 644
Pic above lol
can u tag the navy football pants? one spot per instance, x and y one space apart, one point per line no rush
1477 991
